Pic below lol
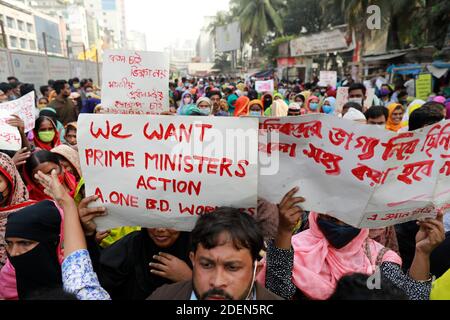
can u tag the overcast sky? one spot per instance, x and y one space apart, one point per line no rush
163 21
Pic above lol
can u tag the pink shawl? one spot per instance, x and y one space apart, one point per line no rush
318 266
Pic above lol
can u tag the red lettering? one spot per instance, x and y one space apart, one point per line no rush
115 131
411 171
340 136
329 160
368 146
400 149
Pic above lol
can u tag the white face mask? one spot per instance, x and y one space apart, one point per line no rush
356 100
255 113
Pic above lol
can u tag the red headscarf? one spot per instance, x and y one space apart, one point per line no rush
241 106
39 144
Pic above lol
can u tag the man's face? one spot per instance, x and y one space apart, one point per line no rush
381 121
356 94
215 99
66 91
222 273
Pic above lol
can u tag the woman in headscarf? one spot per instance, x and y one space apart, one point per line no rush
51 113
186 99
329 106
295 109
46 161
46 135
312 104
205 105
133 267
231 101
241 108
13 196
310 264
279 108
70 161
267 100
255 108
33 244
394 121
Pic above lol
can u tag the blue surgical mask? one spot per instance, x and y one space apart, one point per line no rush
338 236
327 109
255 113
206 111
313 106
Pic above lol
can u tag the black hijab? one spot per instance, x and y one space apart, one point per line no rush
38 268
124 270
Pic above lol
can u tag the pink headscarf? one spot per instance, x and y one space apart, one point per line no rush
318 266
439 99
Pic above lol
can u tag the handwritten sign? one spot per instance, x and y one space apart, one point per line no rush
341 98
159 171
363 175
264 86
328 78
23 107
423 86
135 82
9 136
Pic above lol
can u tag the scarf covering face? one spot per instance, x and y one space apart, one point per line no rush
390 123
38 268
36 191
279 108
231 100
55 142
182 104
318 266
70 155
267 100
17 198
241 108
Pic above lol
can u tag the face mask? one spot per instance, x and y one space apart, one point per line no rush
384 92
327 109
37 269
255 113
76 85
338 236
313 106
41 106
200 86
317 94
186 84
206 111
11 98
46 136
187 100
356 100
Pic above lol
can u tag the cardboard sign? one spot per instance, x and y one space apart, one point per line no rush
135 82
328 78
23 107
264 86
160 171
363 175
341 98
10 138
424 86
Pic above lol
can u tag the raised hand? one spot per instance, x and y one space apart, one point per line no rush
170 267
52 186
87 215
21 157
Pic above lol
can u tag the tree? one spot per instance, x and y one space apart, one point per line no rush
259 19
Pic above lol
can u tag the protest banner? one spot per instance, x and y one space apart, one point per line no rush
10 138
423 86
328 78
135 82
23 107
363 175
264 86
341 98
370 95
159 171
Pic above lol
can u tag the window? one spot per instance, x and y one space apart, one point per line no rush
21 25
10 22
13 41
32 45
29 28
23 43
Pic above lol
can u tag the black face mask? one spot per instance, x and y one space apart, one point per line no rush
37 269
338 236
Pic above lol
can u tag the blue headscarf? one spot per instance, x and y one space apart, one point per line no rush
182 105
